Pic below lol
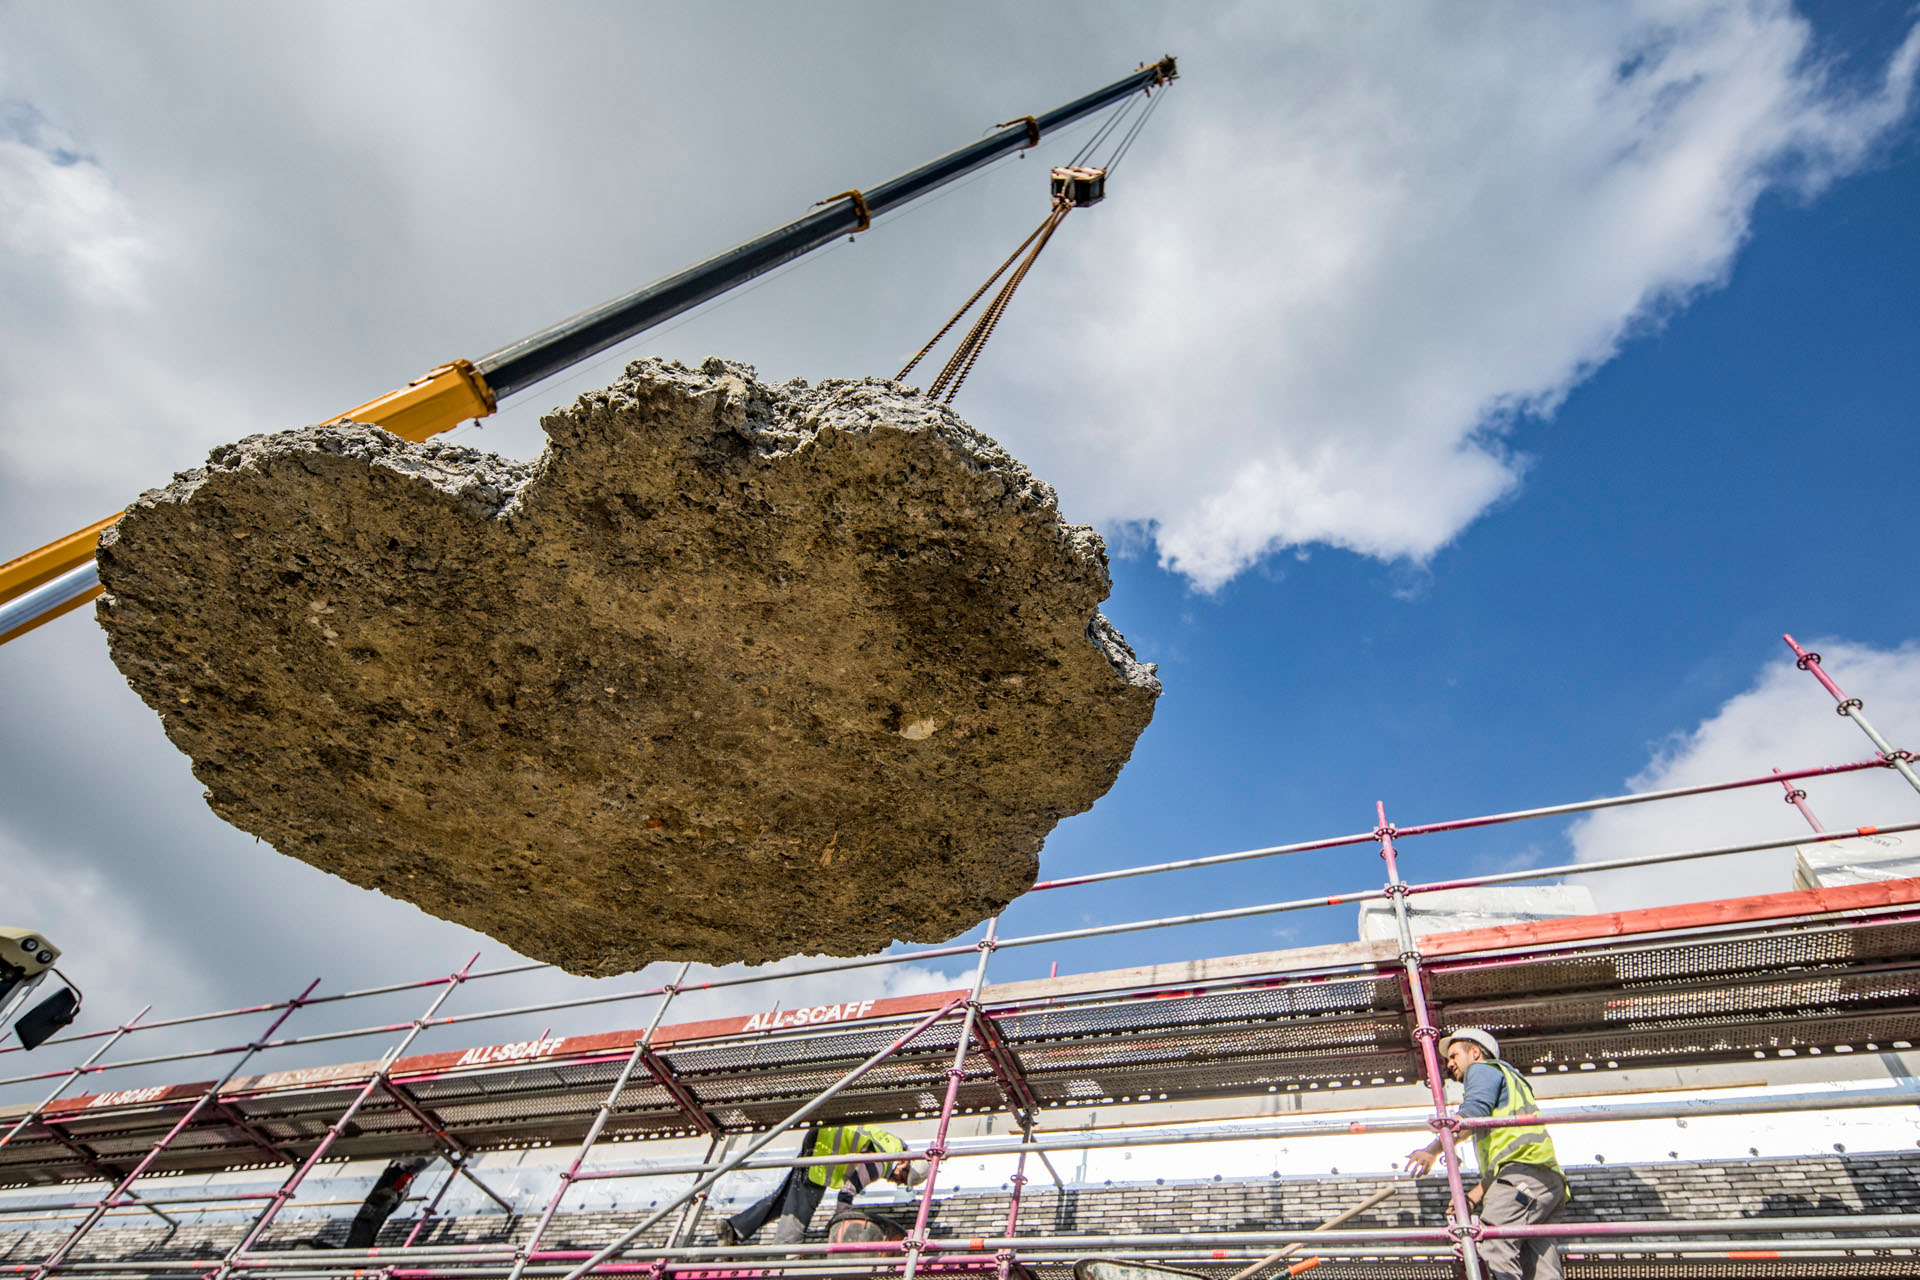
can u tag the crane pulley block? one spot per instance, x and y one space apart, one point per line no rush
57 578
1079 186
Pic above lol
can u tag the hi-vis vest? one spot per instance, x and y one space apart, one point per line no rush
1513 1144
845 1140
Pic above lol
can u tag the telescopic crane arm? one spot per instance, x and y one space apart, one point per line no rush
43 584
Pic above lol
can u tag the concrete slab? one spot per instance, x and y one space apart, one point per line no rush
732 672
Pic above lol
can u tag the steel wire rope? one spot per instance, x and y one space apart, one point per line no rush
1106 130
962 361
964 356
615 354
968 305
1126 143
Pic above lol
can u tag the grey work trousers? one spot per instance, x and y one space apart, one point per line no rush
794 1200
1522 1194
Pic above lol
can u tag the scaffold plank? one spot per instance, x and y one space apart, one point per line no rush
1779 974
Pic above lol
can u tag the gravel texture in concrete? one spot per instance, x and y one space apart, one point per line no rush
732 672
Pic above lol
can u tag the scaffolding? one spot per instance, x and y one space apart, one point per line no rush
1810 971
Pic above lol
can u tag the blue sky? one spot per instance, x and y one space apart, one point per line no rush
1742 468
1463 457
1742 471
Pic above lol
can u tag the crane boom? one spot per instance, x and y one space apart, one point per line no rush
43 584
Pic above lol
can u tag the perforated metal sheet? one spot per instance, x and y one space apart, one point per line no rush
1799 987
1602 964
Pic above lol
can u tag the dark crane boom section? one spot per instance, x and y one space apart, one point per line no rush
43 584
517 367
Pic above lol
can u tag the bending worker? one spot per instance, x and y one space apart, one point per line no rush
388 1194
799 1195
1520 1178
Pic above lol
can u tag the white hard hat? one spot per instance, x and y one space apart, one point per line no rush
1472 1035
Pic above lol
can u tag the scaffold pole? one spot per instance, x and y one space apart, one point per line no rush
937 1150
332 1135
1427 1036
33 1115
1900 760
1797 797
433 1205
818 1100
690 1215
600 1117
212 1092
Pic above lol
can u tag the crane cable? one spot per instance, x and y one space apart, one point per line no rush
947 384
961 361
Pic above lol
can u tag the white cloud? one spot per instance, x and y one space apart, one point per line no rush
1787 721
105 932
1349 249
58 207
1364 244
1352 251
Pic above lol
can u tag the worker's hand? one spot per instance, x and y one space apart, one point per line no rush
1475 1194
1420 1161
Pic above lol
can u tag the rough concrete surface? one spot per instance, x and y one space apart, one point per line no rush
732 672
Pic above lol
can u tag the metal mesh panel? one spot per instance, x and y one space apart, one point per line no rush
1259 1039
1601 966
775 1052
1781 1268
1323 998
1794 989
1744 1039
1817 991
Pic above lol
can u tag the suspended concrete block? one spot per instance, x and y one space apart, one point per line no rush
732 672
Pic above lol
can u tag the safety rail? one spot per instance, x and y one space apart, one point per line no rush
1361 1014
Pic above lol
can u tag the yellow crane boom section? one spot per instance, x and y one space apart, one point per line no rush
427 406
455 392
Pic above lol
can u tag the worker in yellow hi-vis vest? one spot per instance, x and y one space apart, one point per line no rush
1520 1177
799 1195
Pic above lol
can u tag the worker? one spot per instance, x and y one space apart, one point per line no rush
388 1194
799 1194
1520 1177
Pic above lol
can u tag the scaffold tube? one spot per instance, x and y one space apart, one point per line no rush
334 1130
1856 1225
1332 842
33 1114
1646 860
1041 939
160 1024
1853 710
1031 940
820 1099
1426 1037
1461 824
1852 1099
607 1105
937 1150
124 1185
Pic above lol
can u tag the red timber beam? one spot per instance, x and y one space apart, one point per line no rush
252 1133
90 1161
677 1090
457 1153
1690 915
1007 1069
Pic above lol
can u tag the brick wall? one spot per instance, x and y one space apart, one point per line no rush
1879 1183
